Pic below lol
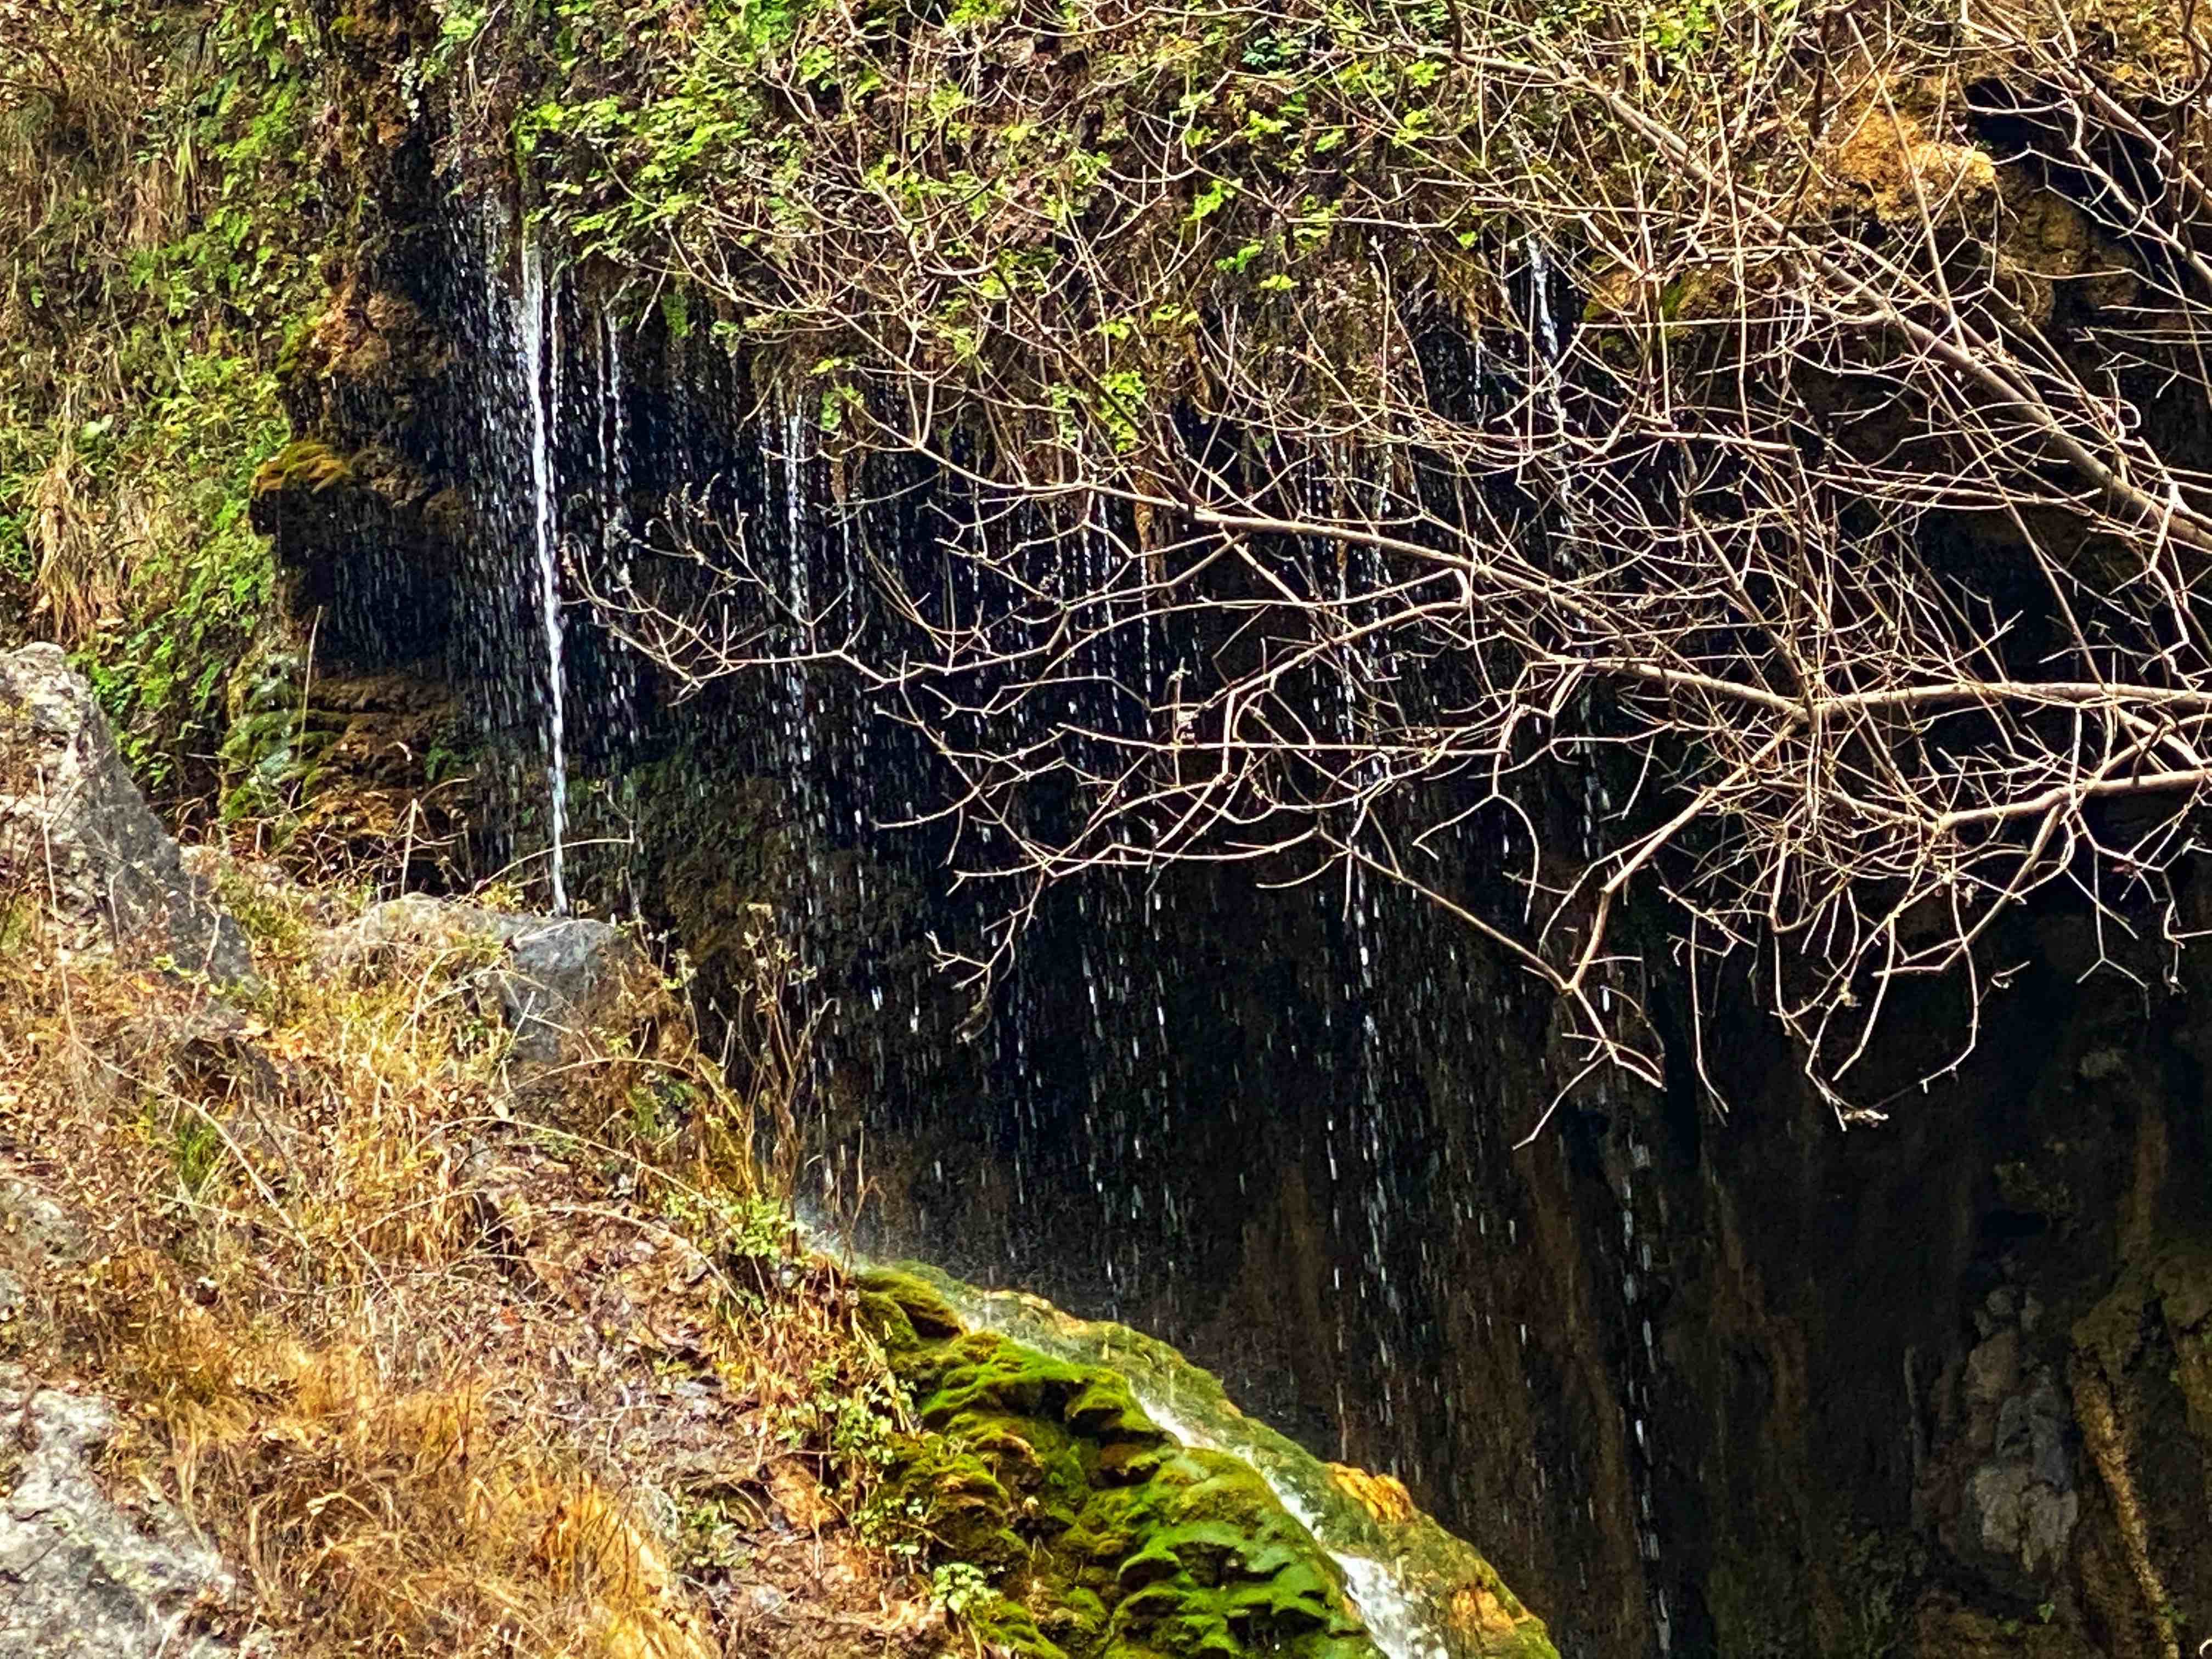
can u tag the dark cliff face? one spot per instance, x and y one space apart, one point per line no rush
1761 1384
1918 1381
1746 1385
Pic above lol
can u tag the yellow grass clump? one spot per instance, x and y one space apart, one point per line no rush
444 1360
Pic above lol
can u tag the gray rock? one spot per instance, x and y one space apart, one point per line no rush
37 1234
80 1578
2048 1417
74 830
2050 1456
564 974
34 1223
1993 1368
2018 1519
552 977
2021 1502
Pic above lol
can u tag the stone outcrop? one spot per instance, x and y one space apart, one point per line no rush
81 1577
1419 1589
37 1234
560 978
554 979
76 834
1099 1524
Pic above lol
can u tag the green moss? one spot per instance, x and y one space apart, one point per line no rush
2183 1280
1100 1536
303 463
1103 1536
2024 1187
1448 1584
2177 1283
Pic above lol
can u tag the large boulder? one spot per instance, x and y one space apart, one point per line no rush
80 1577
562 976
76 834
555 979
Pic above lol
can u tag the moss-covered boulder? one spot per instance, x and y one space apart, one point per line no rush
1080 1526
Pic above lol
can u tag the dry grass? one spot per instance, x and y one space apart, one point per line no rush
76 584
445 1360
73 108
81 194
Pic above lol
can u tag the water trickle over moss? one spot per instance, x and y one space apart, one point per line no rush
1096 1534
1083 1530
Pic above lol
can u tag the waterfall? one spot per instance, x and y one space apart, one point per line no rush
798 645
613 551
1545 364
1263 1123
534 320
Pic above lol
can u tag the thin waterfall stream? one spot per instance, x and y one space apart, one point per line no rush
1150 660
535 326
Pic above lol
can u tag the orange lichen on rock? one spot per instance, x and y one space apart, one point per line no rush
1475 1608
1882 152
1382 1496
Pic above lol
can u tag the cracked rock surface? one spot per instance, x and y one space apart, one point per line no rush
554 979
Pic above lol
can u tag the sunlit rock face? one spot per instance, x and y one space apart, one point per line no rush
87 1577
1694 1383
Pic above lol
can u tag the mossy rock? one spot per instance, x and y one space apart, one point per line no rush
1242 1527
304 464
1101 1536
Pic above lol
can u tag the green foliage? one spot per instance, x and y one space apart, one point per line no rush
856 1420
159 248
1059 206
272 754
713 1533
752 1227
197 1150
18 922
194 598
1879 1576
749 139
959 1586
269 918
